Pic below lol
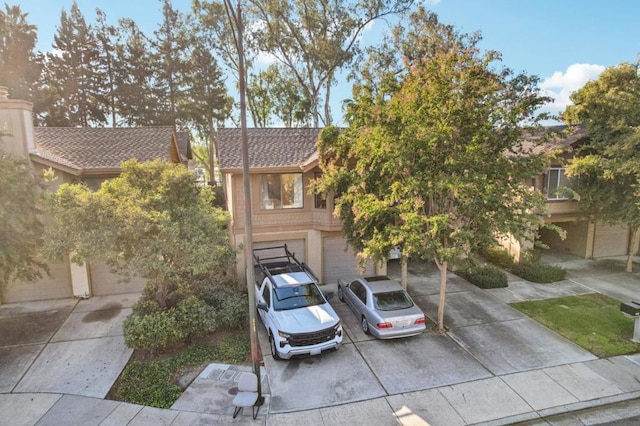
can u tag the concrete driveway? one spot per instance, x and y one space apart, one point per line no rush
64 346
486 338
58 359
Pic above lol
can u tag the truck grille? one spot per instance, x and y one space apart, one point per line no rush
308 339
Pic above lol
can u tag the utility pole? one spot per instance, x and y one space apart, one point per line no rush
235 19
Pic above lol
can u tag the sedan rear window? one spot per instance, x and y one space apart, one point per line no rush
392 300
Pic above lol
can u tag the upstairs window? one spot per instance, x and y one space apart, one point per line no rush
281 191
557 181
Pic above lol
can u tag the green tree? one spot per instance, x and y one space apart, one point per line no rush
607 166
19 65
21 229
432 159
133 76
105 35
315 40
152 221
170 44
73 83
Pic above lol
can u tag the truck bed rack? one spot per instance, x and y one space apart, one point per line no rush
281 264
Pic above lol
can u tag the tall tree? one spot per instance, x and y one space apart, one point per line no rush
105 35
72 81
172 40
432 159
133 76
19 65
316 39
21 230
607 167
215 28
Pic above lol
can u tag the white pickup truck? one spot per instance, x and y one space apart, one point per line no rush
297 316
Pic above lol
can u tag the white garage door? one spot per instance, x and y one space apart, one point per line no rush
294 246
339 263
104 282
58 286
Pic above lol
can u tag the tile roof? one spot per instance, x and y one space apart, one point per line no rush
271 147
562 137
85 148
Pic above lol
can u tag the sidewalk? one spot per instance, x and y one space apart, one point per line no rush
461 383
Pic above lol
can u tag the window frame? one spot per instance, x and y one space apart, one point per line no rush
561 181
273 191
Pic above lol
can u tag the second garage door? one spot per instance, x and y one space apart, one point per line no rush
104 282
294 246
339 263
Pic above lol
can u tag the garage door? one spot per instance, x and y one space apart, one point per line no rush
58 286
610 240
104 282
339 263
294 246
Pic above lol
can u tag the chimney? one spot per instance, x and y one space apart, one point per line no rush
16 126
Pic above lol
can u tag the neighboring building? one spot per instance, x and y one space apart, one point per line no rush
87 155
585 238
282 163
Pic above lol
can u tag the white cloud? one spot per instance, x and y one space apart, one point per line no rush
561 85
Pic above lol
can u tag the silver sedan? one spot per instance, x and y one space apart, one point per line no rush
384 308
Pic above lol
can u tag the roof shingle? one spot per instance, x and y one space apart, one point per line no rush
270 147
105 148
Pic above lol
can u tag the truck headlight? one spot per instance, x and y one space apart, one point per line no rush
284 335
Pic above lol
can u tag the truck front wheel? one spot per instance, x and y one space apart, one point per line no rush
274 350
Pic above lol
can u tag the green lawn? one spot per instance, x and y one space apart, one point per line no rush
593 321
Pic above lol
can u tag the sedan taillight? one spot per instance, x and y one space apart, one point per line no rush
419 321
384 325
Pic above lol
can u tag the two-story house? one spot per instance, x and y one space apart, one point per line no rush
87 155
283 161
590 239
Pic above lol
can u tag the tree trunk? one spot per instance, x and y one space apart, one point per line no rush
403 271
633 248
443 291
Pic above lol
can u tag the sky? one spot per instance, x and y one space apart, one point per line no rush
564 42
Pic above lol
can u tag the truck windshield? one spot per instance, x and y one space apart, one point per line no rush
298 296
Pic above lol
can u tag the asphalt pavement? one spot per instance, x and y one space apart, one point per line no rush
58 360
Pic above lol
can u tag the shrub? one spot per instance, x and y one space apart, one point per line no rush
232 310
539 272
486 276
194 317
152 332
499 257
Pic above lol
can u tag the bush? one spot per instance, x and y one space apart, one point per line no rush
152 332
499 257
539 272
486 276
232 310
194 317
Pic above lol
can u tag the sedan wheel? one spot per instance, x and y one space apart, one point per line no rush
365 325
